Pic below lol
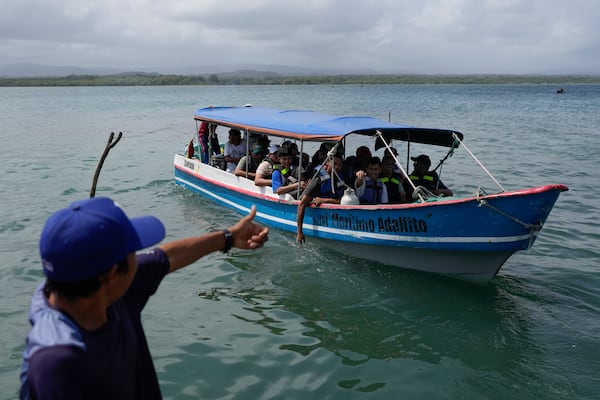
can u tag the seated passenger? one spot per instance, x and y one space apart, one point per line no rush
264 171
368 185
235 148
321 192
421 176
248 164
356 163
281 181
392 181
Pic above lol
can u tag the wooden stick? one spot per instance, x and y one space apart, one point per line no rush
109 145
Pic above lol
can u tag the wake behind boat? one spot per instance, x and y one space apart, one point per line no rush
470 236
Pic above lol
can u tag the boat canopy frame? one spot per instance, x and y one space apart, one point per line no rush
314 126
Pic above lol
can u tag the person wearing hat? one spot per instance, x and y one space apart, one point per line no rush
248 164
264 171
421 176
87 339
282 180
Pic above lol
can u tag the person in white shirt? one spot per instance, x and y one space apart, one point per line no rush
235 148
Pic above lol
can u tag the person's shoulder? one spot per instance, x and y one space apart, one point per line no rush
56 369
59 356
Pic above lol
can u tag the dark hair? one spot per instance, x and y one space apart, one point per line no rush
374 161
85 288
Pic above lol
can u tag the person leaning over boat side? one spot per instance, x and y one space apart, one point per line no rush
87 339
421 176
249 163
264 171
392 181
369 187
321 192
235 148
282 180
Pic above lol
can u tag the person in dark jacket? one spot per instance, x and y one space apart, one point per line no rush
421 176
87 339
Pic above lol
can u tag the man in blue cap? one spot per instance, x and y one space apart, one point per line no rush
87 339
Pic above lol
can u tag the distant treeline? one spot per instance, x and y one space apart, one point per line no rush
265 79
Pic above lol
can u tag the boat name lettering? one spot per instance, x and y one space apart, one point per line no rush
401 224
382 224
350 222
188 164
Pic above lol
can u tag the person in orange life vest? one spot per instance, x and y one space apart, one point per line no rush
392 181
321 192
369 187
421 176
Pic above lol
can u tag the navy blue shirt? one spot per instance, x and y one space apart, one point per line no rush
63 361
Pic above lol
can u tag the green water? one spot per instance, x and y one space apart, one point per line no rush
290 322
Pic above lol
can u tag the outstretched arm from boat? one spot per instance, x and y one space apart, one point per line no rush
304 202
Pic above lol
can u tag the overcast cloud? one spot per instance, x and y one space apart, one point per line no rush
413 36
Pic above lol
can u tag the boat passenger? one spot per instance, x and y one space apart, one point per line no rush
248 163
392 152
235 148
321 192
421 176
356 163
264 171
203 133
392 180
282 180
369 187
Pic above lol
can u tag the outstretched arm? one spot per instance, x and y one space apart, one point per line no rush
304 202
246 235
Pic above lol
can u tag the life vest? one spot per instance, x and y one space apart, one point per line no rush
429 181
393 188
325 189
372 194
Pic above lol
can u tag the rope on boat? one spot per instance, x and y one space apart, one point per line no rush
533 227
387 146
316 179
456 138
109 145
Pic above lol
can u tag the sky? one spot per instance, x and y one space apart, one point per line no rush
397 36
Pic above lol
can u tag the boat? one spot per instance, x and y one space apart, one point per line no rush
469 236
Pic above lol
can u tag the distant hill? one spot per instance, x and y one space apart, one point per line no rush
23 70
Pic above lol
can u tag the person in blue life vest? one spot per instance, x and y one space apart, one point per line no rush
282 180
369 187
392 181
87 340
321 192
421 176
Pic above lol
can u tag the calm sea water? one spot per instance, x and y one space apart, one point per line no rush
290 322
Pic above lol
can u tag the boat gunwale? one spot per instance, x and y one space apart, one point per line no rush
373 207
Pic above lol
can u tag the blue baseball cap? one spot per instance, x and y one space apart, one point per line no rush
90 236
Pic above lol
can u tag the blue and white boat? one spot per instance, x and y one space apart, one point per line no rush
470 236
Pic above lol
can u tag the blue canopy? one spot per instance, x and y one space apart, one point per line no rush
314 126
